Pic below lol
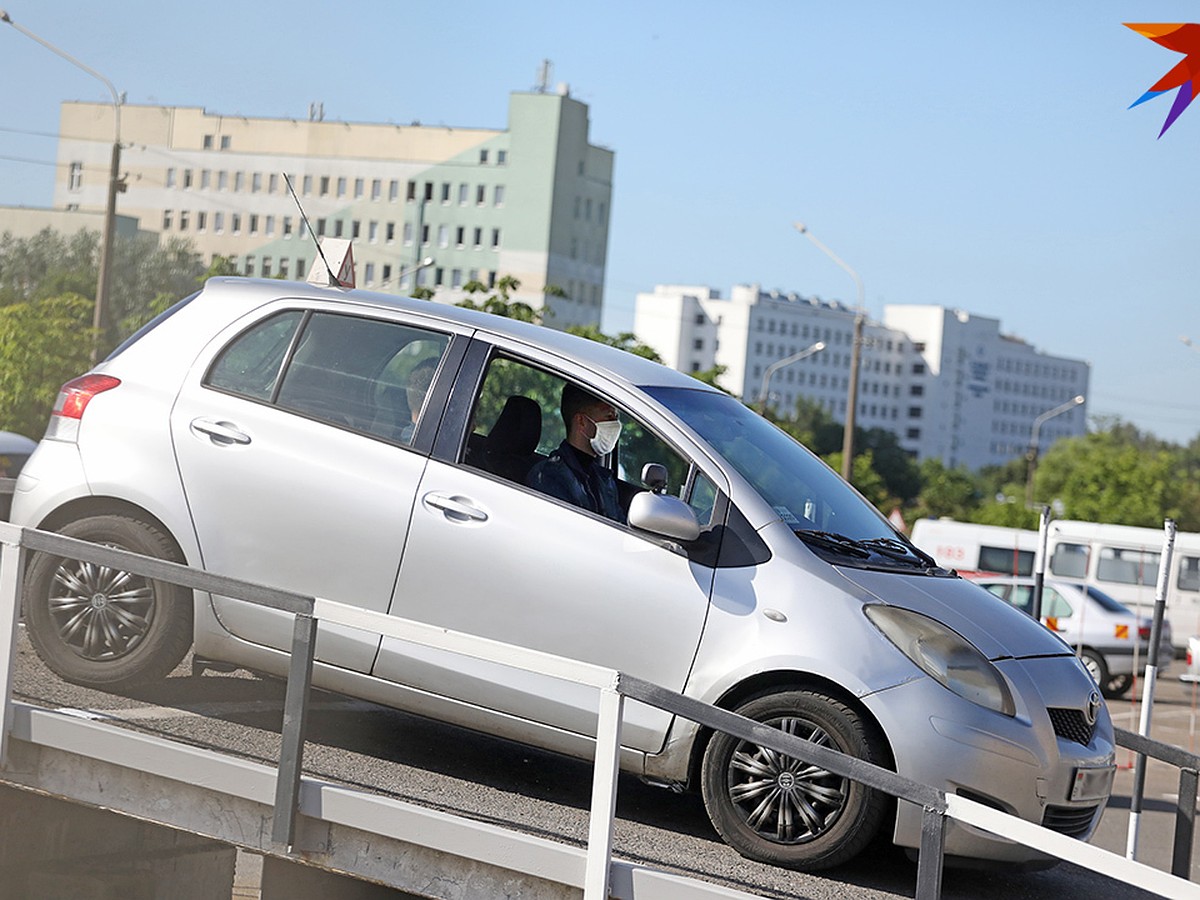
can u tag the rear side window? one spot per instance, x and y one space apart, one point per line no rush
1006 560
364 375
250 366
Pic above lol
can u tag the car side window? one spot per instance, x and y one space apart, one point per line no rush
249 366
1055 605
367 375
516 423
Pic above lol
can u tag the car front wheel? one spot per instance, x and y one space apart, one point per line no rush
102 627
785 812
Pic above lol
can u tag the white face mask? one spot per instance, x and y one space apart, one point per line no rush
607 434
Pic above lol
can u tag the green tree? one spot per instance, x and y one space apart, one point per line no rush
43 343
498 300
48 264
1109 476
953 493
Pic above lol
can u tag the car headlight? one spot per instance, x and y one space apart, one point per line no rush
944 655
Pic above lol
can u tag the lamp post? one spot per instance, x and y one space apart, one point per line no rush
1032 454
414 269
779 364
860 315
104 279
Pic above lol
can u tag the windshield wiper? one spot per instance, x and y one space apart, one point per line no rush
834 541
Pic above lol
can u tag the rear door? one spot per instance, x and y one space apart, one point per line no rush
296 446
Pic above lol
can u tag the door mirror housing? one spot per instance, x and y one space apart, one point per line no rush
663 515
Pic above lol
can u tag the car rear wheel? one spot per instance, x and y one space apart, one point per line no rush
103 627
1118 686
785 812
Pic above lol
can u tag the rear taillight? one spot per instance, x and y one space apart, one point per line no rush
1144 632
73 398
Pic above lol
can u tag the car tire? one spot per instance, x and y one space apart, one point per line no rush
1117 686
101 627
781 811
1097 668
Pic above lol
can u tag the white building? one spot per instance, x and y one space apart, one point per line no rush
530 200
948 384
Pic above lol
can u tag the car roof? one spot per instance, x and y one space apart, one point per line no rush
252 292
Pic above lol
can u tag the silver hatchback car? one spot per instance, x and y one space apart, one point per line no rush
377 451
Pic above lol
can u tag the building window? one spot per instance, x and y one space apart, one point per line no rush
166 220
187 179
272 183
914 412
464 191
408 234
320 228
372 232
239 181
501 157
254 223
75 177
287 226
460 235
358 188
370 276
480 195
390 232
424 239
324 185
208 142
393 190
283 268
235 221
183 220
219 222
443 234
483 157
248 269
445 193
170 178
266 267
698 344
341 186
306 185
376 188
202 221
916 390
478 238
386 273
498 195
913 434
338 225
456 278
256 182
495 238
225 142
918 368
270 226
205 179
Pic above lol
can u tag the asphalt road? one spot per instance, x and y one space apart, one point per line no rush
484 778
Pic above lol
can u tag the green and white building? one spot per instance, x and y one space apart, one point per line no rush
531 201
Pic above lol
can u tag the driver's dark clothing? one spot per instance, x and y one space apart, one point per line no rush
578 478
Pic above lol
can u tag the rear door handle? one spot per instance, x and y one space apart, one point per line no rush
220 432
455 508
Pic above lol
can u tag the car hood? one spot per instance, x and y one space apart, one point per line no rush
995 628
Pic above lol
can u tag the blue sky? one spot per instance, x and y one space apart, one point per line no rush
979 156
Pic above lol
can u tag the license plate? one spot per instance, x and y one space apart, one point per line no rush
1093 782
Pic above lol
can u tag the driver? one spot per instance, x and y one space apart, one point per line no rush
575 471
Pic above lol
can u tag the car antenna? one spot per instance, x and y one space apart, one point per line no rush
345 276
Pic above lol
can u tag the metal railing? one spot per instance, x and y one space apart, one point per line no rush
613 688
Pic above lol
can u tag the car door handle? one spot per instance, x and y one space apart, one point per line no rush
220 432
458 509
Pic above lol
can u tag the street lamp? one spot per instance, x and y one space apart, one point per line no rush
779 364
414 269
1032 455
1187 342
860 315
104 280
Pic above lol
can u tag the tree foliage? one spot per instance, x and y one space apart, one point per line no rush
43 343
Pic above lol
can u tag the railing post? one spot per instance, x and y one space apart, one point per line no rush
930 862
604 792
12 570
295 716
1185 823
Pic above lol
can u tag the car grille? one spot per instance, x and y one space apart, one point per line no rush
1072 725
1073 821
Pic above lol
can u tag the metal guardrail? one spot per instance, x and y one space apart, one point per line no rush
613 688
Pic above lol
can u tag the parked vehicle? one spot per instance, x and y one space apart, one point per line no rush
262 430
1112 640
1120 560
14 450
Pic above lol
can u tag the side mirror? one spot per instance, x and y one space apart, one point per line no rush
663 515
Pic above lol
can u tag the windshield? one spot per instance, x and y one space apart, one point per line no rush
823 511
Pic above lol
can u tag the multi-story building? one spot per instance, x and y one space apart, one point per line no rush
948 384
530 201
